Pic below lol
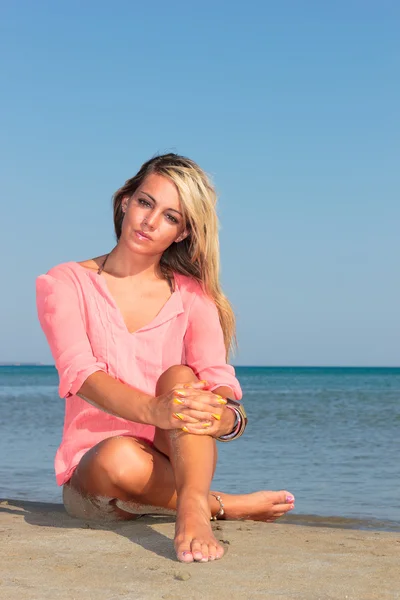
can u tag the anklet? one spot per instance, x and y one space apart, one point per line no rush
221 511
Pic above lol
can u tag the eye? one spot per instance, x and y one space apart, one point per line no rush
172 219
144 202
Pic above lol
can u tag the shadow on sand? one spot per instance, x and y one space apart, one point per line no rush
139 531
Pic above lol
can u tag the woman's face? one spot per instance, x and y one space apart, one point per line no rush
153 216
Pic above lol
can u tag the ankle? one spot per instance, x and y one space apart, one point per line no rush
191 500
191 493
219 512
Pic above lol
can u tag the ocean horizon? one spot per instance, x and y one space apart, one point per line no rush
42 364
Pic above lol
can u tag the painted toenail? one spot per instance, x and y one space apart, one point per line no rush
289 498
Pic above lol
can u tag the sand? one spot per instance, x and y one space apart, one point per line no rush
48 555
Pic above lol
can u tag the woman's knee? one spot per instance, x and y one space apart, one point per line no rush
172 376
115 463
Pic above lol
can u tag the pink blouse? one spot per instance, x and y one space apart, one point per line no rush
86 333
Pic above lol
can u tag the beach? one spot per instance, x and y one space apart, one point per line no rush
327 435
48 555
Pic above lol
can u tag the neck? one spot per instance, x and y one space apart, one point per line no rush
121 262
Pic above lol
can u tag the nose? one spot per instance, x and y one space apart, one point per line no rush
151 221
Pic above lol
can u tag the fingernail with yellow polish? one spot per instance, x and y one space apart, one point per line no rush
221 400
179 416
180 393
178 401
206 425
218 417
185 429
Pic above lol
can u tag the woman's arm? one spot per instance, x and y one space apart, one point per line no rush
117 398
205 348
205 354
62 320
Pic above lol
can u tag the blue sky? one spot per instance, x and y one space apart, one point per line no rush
292 107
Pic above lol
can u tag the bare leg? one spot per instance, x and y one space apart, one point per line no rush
193 460
129 472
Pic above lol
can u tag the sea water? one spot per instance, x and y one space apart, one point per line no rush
328 435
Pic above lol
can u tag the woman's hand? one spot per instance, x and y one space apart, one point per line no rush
190 407
215 427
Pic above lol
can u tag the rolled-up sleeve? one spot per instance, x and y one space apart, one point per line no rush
62 319
204 345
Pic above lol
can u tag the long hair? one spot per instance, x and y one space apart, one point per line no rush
196 256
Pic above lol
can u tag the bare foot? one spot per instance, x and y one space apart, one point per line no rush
258 506
194 539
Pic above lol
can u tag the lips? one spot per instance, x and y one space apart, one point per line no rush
142 236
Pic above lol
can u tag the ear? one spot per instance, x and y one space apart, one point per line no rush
124 204
183 235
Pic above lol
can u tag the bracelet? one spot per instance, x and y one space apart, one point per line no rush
240 421
221 511
236 426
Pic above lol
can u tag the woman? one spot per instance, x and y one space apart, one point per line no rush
140 338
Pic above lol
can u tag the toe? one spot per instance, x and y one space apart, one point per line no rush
212 552
281 509
197 550
286 497
185 556
219 552
183 552
205 553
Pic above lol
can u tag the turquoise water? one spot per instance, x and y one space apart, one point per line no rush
329 435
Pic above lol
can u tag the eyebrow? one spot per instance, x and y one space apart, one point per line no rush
155 201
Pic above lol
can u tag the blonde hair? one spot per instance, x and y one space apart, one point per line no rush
196 256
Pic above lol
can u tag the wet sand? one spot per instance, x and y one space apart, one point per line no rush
48 555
